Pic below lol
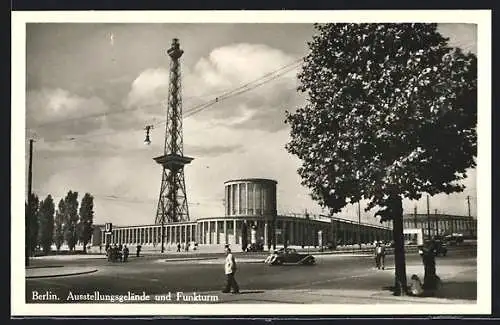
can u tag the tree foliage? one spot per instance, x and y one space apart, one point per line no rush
46 222
32 223
391 114
392 109
71 219
59 225
86 219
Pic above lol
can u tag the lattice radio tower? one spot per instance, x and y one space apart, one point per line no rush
172 203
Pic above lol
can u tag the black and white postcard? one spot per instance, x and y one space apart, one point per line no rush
251 163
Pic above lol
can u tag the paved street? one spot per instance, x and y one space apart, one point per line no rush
155 275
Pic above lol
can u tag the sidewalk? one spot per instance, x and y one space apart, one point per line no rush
326 296
57 271
69 257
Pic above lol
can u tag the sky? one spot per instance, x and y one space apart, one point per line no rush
118 74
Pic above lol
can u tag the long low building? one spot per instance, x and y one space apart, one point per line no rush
250 217
441 224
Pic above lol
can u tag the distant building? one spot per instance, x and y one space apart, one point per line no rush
250 217
442 224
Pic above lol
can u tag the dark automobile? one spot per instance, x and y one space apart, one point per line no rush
439 248
255 247
289 256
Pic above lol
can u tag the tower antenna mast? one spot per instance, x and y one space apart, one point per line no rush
172 203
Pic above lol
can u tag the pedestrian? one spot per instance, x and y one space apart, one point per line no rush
120 252
416 287
230 270
115 253
178 247
138 250
125 253
100 248
380 255
431 280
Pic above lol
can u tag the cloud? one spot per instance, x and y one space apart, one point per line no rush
239 65
54 112
461 35
209 151
225 69
151 86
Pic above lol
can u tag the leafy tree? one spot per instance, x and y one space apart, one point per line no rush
32 224
71 219
86 220
391 114
59 225
46 221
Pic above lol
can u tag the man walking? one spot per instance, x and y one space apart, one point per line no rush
230 270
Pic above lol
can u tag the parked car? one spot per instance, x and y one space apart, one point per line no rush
289 256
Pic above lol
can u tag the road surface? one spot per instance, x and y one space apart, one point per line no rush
153 275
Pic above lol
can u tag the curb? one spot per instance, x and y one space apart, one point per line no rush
60 275
188 259
43 267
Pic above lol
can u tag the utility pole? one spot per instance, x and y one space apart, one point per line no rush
436 221
307 229
359 224
468 205
415 216
428 219
28 215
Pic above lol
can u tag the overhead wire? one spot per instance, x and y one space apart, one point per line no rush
268 77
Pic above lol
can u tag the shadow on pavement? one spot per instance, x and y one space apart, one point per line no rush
251 291
465 290
43 266
391 289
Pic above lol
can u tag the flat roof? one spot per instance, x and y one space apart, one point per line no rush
252 180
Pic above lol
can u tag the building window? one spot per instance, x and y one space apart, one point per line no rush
243 199
258 198
227 200
234 197
250 188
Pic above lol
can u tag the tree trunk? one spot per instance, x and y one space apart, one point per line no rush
399 253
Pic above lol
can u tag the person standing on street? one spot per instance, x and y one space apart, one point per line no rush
125 253
380 255
230 270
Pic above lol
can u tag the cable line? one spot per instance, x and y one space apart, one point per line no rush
264 79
